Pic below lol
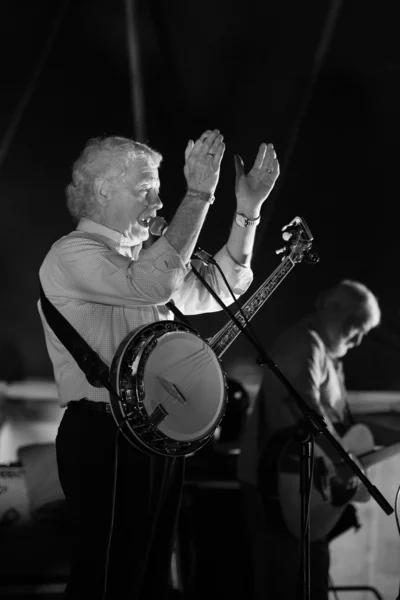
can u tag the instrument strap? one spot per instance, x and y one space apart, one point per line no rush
181 317
95 370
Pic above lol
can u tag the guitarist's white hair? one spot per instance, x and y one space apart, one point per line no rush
351 303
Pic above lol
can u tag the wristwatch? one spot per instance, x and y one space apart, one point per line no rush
243 221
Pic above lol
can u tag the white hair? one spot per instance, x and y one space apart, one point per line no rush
106 157
350 303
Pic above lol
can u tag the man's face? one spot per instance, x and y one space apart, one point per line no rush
132 199
341 342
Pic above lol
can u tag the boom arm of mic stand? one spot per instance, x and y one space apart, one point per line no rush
316 423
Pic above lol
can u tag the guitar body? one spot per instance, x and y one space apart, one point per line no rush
323 514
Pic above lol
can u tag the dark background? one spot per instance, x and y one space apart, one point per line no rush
318 79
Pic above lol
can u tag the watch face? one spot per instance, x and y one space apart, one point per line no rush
240 220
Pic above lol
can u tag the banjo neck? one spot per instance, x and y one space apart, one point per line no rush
170 390
221 341
299 239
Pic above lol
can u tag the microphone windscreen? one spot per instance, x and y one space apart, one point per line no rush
157 225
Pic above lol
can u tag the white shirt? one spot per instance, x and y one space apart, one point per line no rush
92 279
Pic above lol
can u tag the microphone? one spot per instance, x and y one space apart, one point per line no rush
204 256
158 226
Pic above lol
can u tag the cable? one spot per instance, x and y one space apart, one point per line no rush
396 501
310 482
305 543
113 501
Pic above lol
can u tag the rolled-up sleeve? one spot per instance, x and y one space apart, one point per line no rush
193 298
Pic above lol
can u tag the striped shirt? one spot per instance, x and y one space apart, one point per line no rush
106 288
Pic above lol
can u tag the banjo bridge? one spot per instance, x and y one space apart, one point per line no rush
172 390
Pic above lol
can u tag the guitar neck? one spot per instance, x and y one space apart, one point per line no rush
224 338
375 456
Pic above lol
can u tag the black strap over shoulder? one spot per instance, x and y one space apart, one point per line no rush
180 316
95 370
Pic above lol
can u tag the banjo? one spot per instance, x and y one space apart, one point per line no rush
170 388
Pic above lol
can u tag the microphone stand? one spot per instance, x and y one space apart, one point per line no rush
311 425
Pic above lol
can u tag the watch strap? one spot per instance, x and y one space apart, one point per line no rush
243 221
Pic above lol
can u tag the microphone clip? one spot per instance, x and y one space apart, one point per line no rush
204 256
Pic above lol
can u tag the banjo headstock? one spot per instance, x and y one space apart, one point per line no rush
298 242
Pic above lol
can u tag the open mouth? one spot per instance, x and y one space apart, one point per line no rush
145 222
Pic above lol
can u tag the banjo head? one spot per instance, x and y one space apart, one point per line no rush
172 391
197 398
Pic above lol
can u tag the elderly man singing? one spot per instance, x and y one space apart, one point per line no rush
106 285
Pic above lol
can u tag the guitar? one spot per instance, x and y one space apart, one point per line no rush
359 442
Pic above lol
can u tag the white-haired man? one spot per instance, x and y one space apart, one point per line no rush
309 355
107 285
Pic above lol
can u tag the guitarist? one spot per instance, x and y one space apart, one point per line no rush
309 355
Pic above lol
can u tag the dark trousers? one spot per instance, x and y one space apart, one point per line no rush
147 498
276 554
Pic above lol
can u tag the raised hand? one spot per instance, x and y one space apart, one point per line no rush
203 161
252 189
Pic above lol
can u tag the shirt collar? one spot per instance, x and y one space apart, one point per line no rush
121 243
